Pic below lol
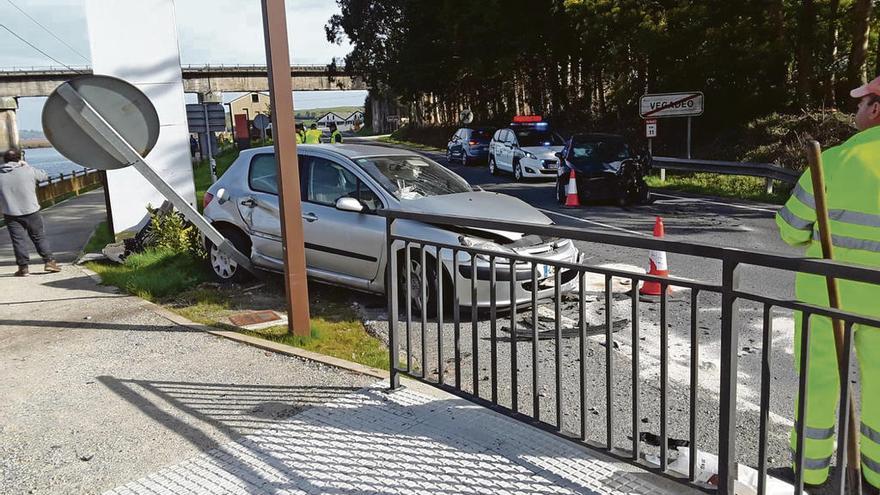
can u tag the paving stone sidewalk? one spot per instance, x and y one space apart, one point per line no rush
371 441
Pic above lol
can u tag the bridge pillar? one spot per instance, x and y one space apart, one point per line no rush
211 97
8 123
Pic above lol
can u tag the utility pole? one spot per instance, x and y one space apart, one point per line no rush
281 91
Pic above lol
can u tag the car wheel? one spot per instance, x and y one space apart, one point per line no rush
493 169
465 159
415 273
448 157
225 269
517 172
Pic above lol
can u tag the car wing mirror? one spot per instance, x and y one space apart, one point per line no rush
558 154
222 195
349 204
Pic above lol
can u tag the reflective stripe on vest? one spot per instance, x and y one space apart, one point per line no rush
870 463
817 433
852 242
804 196
871 433
855 217
794 220
810 463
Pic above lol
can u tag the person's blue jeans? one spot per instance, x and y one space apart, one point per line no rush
24 226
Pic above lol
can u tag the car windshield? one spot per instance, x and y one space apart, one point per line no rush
599 151
481 135
412 177
529 137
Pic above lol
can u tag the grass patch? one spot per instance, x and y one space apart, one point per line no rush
154 274
728 186
408 144
336 327
100 238
341 339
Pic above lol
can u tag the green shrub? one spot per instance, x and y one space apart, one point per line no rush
172 233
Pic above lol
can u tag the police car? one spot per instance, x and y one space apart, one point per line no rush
526 148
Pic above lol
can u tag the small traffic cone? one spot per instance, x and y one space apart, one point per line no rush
658 266
571 192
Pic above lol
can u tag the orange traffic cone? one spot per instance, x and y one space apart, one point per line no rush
658 266
571 192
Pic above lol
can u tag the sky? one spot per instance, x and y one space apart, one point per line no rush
209 31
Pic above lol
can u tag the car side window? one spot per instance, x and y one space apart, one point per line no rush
263 174
329 181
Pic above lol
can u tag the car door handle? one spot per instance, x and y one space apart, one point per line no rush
309 217
250 202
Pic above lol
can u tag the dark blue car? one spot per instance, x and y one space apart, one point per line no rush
605 169
469 145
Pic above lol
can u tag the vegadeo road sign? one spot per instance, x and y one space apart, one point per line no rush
651 128
662 105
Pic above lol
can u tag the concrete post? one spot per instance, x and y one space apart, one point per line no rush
208 140
8 124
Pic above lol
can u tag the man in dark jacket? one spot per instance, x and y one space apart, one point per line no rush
21 211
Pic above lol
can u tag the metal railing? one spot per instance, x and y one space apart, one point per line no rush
768 171
64 185
507 282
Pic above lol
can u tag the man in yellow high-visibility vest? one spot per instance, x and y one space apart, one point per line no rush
300 134
313 135
852 172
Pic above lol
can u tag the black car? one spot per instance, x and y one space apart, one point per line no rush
606 169
469 145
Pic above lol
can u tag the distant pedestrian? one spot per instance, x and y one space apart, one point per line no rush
335 135
300 133
193 146
852 188
313 135
21 211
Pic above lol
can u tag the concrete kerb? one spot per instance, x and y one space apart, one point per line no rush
257 342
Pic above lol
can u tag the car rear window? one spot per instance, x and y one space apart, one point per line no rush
481 135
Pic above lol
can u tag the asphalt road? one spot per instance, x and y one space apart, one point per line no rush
688 218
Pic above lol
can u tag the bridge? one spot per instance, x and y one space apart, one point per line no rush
21 82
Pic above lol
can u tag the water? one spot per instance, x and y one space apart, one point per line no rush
49 160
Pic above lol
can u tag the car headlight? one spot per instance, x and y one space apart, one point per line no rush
474 242
530 156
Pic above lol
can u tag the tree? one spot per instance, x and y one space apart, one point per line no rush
858 54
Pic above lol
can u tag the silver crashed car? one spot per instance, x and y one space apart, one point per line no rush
342 187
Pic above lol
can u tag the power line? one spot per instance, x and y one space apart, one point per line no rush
28 43
74 50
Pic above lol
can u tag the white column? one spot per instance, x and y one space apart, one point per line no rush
137 42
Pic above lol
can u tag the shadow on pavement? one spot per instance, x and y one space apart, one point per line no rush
355 442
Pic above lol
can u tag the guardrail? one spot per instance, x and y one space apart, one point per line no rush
62 186
422 274
768 171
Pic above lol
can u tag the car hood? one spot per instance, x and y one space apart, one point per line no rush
544 152
483 205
